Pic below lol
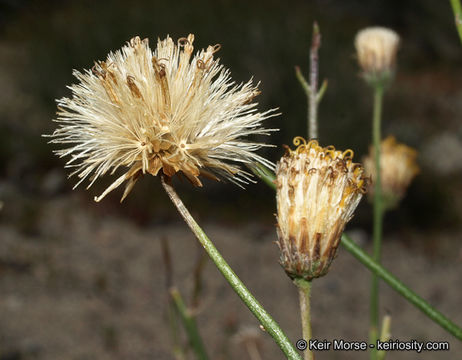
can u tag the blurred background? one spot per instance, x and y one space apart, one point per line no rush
80 280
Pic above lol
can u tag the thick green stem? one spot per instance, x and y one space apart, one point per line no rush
385 275
190 325
304 293
378 217
249 300
402 289
457 9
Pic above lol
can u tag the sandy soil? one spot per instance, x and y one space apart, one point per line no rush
87 285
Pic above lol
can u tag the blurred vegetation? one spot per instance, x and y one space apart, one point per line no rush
42 41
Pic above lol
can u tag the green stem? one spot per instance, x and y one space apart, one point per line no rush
378 218
386 276
265 174
189 325
254 306
321 91
457 9
402 289
177 349
384 335
301 79
304 293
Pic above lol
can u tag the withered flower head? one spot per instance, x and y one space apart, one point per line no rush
318 190
159 111
398 167
376 49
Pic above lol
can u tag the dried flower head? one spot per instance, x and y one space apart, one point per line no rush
159 111
376 49
397 169
318 190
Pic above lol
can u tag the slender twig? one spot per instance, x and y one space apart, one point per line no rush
264 174
249 300
384 335
304 293
402 289
177 349
457 9
190 325
321 91
303 82
313 109
390 279
377 218
197 287
311 89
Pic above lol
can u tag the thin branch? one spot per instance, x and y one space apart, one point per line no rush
303 82
264 174
190 325
322 90
313 109
378 214
402 289
384 335
177 348
198 270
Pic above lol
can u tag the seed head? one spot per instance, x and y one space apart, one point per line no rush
376 48
398 168
318 190
162 111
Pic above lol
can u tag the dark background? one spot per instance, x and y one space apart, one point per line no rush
42 41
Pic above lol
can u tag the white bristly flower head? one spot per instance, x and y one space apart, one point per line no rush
318 189
162 111
376 49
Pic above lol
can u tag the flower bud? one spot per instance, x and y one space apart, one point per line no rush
376 48
397 169
318 190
